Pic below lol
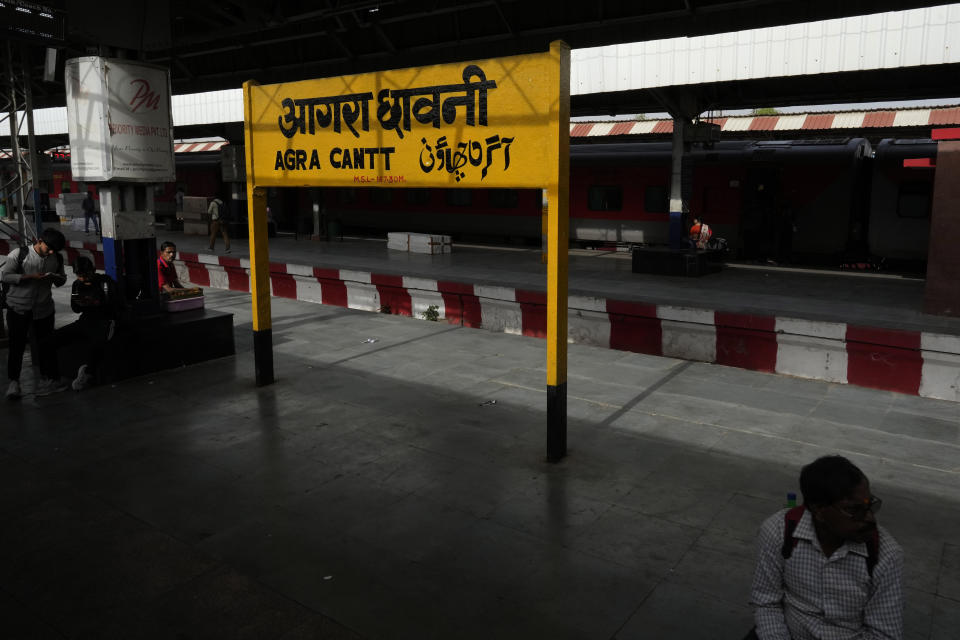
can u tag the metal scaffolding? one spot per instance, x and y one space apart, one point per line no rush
19 173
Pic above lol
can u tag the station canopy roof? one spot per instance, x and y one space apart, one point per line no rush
219 44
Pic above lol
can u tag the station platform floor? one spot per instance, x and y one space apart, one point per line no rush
868 299
392 484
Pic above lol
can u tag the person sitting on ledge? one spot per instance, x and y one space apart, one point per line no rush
95 298
167 277
700 233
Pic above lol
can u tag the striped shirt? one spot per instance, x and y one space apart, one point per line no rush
811 597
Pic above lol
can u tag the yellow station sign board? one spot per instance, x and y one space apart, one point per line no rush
486 123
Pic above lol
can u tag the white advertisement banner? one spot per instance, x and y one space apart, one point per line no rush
118 115
86 119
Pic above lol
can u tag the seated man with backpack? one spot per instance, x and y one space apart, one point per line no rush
826 569
95 298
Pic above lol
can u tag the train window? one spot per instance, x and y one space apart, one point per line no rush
656 199
503 198
417 196
605 198
460 197
381 196
914 200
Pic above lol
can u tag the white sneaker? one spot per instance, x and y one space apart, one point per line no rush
46 386
13 391
82 380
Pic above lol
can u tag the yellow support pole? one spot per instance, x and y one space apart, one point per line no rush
259 257
558 232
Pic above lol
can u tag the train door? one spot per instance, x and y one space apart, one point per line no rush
762 220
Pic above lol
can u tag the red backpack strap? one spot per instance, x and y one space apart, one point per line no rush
790 521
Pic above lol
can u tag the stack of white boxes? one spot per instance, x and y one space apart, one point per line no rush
398 241
69 208
194 216
419 242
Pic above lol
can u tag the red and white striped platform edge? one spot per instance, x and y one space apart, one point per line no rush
933 117
913 362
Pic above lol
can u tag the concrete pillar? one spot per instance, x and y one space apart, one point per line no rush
942 290
677 204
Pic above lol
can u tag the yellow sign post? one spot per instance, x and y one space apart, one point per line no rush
498 123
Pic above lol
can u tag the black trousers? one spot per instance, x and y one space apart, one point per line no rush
91 334
87 217
18 332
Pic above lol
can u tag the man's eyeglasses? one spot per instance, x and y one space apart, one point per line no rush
859 511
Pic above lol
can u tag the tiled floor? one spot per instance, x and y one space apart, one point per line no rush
375 491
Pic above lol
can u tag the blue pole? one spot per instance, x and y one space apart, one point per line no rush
112 258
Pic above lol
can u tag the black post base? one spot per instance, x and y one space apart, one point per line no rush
263 356
556 422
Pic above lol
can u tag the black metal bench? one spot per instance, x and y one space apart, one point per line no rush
154 343
674 262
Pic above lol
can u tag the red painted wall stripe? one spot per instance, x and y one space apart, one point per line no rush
284 286
198 273
452 308
818 121
634 326
746 341
581 130
278 267
888 337
446 286
397 298
632 308
621 128
664 126
879 118
333 292
533 312
237 279
531 297
884 359
386 280
763 123
326 274
533 320
470 311
944 116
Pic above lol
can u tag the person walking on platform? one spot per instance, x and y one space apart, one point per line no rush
29 272
826 569
94 296
89 212
218 223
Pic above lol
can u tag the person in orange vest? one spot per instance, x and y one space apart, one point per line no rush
700 233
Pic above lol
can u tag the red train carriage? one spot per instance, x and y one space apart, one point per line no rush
807 200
